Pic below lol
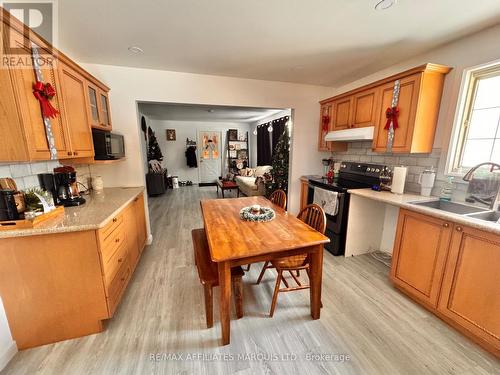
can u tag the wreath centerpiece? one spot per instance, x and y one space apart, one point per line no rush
257 214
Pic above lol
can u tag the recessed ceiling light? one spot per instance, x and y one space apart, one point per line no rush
384 4
135 49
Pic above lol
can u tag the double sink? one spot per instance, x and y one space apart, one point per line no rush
462 209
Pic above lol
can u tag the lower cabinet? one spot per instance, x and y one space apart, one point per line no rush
419 255
60 286
304 191
454 271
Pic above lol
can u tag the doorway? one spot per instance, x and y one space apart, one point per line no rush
210 157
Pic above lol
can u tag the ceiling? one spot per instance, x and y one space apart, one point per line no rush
324 42
205 113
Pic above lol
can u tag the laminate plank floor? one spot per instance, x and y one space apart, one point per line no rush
366 326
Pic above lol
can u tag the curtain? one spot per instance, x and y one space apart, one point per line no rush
279 127
263 145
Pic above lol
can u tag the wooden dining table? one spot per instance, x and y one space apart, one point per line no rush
234 242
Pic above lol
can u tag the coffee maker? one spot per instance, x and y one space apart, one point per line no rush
48 183
67 187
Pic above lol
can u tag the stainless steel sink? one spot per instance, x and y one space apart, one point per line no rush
492 216
456 208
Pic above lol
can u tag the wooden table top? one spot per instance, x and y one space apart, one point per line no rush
230 237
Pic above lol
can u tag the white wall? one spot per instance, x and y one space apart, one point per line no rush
253 146
7 346
129 85
473 50
174 158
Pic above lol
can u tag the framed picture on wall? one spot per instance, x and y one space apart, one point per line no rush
170 134
233 134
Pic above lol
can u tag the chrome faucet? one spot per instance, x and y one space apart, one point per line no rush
490 194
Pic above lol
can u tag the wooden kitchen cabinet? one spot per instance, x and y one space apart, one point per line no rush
89 273
21 123
342 113
452 270
30 143
419 100
364 108
98 107
75 113
326 117
470 294
304 191
419 255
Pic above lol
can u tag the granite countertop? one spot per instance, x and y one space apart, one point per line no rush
403 201
94 214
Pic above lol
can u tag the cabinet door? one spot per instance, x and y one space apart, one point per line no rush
29 106
304 191
93 107
407 104
130 223
342 113
470 294
104 112
419 255
325 121
140 216
364 108
75 112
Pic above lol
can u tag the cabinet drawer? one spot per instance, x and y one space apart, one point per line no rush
110 226
110 244
111 267
117 286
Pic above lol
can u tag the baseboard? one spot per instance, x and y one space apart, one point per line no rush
7 355
202 184
149 241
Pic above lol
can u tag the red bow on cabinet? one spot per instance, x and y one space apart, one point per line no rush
44 92
326 121
391 114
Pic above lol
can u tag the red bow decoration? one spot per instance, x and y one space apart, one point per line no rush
44 93
391 114
326 121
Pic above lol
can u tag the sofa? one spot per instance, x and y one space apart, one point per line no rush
247 177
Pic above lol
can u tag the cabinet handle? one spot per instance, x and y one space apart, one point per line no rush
114 220
136 199
69 153
117 240
459 229
120 260
446 225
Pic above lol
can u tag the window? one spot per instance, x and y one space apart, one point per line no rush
477 128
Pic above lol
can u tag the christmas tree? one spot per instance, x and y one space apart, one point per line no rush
279 163
154 153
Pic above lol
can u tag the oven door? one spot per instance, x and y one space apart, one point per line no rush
333 223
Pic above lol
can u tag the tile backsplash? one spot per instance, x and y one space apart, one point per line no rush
25 174
416 163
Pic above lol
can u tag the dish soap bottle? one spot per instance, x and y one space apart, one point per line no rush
447 190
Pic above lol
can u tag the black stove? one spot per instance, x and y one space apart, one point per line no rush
352 175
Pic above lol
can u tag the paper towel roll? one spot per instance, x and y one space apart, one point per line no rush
398 180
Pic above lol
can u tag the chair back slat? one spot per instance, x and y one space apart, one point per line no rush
314 216
278 197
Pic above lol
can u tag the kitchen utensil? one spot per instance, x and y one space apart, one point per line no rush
426 181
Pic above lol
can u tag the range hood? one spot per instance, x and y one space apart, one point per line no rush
358 134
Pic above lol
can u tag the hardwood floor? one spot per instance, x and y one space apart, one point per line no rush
162 315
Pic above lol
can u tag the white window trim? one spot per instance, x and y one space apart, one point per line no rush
459 113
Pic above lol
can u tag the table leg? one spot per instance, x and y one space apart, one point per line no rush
222 189
316 275
217 190
237 192
225 300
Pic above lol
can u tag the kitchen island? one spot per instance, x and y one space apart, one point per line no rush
63 279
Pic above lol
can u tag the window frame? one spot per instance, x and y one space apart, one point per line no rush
463 114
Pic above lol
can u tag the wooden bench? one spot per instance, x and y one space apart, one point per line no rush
208 274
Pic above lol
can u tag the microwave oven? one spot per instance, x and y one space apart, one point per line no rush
107 145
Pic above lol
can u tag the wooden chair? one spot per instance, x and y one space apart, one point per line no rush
278 197
314 216
208 274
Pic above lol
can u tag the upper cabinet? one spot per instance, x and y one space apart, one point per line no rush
24 134
418 104
98 107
